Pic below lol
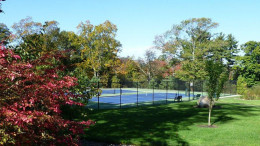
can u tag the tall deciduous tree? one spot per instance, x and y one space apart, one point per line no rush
35 39
26 27
188 41
47 36
192 42
100 47
147 65
4 34
154 68
127 70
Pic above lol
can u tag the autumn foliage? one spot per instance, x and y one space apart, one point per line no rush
31 96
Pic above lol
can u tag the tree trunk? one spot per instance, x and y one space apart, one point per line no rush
193 50
95 73
210 109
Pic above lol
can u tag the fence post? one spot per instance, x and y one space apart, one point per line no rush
193 87
153 92
98 94
189 91
178 86
166 90
114 90
137 95
120 94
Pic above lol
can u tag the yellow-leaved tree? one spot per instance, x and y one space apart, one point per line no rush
99 47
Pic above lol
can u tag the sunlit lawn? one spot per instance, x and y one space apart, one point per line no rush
237 123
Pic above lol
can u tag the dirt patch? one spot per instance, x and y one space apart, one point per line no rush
217 107
214 107
206 126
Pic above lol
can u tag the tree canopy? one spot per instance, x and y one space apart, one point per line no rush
192 42
248 65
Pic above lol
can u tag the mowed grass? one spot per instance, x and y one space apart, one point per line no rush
237 123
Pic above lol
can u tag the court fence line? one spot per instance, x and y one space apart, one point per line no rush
188 90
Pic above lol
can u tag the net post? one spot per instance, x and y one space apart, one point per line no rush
137 94
178 86
189 90
120 94
114 90
166 90
153 93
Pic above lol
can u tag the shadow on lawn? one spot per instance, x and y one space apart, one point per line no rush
156 125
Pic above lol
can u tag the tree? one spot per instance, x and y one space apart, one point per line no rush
31 100
125 69
115 82
248 66
241 85
188 42
232 51
35 39
224 48
154 69
216 79
26 27
147 66
99 45
192 43
4 34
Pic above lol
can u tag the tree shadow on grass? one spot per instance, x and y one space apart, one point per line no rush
230 111
156 125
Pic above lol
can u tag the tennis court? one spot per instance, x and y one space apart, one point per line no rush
132 94
132 98
111 98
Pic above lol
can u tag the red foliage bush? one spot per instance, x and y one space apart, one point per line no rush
31 95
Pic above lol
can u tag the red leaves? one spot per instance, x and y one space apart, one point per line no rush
12 76
71 102
31 99
16 57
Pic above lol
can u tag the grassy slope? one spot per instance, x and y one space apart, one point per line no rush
178 124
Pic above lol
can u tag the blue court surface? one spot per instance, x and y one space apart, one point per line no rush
132 98
117 91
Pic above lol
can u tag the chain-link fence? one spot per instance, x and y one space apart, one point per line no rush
133 94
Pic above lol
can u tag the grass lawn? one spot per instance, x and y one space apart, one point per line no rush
237 123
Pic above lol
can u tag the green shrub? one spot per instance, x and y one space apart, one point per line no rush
241 85
252 93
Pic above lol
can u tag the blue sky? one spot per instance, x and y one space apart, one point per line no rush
138 21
